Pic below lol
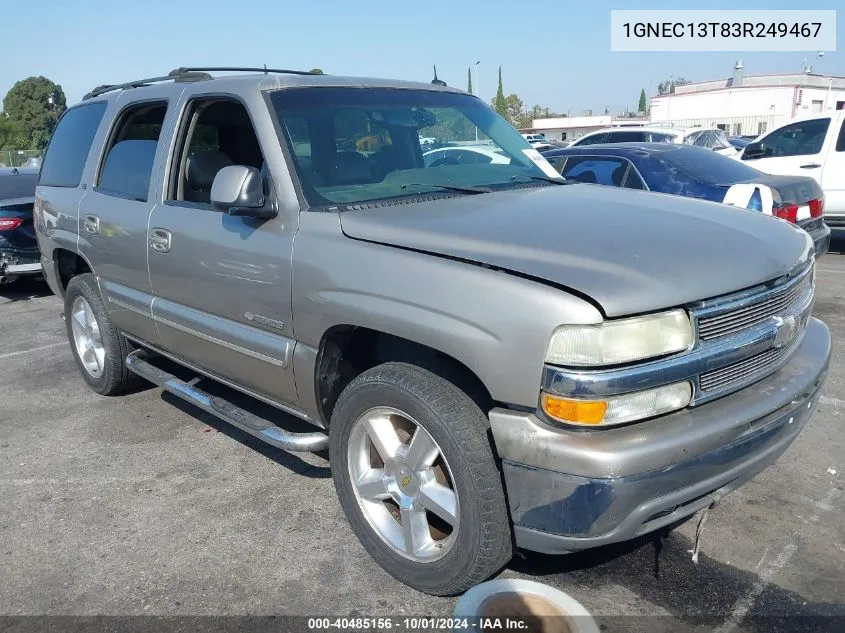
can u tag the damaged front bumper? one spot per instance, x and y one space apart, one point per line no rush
570 490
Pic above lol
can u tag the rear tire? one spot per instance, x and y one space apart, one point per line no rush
445 556
98 348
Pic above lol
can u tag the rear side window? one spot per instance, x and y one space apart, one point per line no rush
596 169
627 136
659 137
128 162
633 180
840 142
69 147
593 140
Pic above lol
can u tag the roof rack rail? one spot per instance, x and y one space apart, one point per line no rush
187 74
138 83
242 69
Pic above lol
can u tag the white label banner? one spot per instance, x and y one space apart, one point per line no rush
723 30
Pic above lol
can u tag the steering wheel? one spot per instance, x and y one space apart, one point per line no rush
440 162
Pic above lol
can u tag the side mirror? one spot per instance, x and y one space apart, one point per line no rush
755 150
239 190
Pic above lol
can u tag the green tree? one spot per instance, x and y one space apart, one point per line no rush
643 106
538 112
316 71
469 80
35 104
668 86
499 103
516 114
11 134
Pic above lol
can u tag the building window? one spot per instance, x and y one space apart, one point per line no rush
737 129
816 105
761 128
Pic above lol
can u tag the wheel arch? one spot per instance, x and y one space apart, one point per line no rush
345 351
68 264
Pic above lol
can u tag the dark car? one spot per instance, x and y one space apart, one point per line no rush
739 142
695 172
18 247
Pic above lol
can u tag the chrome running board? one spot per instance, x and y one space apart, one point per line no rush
138 363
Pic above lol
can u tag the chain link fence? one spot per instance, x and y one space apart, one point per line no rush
20 157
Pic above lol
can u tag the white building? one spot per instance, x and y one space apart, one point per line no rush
749 104
571 128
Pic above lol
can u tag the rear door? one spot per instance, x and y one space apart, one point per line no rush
60 181
113 215
833 174
796 149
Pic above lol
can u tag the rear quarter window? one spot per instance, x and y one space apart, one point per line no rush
69 147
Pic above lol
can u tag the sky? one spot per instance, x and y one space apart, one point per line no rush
555 54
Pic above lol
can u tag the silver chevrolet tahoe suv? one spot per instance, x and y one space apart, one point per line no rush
493 357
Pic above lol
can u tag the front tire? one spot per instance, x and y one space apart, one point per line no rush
417 480
98 348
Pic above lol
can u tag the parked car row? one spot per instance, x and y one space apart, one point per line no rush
710 138
698 173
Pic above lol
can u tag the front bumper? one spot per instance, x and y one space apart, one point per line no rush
570 490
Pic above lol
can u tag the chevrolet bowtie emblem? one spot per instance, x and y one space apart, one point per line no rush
785 329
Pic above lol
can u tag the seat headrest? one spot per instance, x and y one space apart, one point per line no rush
617 175
202 167
586 176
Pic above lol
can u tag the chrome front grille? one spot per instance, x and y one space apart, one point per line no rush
769 322
769 304
755 367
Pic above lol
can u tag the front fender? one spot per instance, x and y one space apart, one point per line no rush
495 323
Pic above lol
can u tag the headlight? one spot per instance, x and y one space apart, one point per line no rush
620 341
618 409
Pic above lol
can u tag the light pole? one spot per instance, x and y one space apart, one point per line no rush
477 93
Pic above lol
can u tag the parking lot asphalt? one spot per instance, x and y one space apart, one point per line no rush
144 505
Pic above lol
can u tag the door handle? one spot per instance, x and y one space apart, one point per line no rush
160 240
91 224
811 166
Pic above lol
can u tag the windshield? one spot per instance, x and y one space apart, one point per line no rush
354 145
709 167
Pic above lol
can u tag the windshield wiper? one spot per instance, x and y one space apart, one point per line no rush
555 181
466 189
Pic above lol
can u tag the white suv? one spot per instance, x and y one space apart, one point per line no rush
809 146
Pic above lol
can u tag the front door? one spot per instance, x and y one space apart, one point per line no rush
833 175
795 149
221 283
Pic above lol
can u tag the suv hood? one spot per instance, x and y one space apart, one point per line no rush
630 251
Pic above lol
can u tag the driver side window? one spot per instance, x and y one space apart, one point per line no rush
797 139
216 133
